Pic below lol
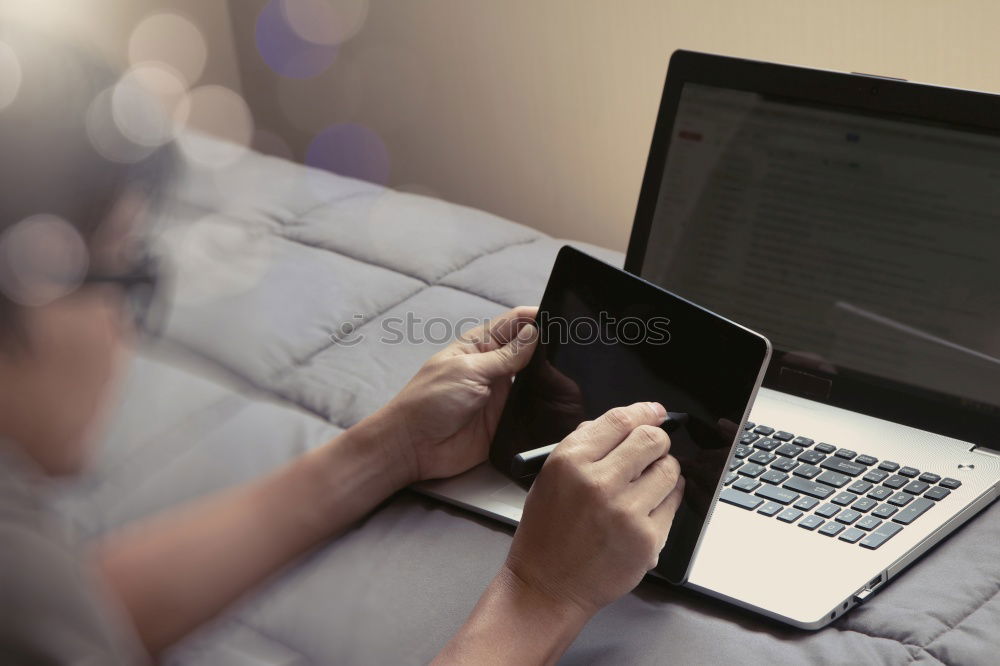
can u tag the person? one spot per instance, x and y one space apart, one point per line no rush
73 296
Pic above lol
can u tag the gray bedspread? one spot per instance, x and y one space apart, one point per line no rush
284 270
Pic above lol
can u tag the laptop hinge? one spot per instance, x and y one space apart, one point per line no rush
985 451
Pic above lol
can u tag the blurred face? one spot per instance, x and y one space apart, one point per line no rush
59 382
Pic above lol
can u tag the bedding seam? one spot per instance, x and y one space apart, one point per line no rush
965 617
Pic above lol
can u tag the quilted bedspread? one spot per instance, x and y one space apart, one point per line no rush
286 279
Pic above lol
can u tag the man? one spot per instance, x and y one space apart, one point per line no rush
73 294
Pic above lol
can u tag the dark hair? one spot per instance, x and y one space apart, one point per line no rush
49 164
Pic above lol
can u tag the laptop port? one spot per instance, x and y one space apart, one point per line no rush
875 582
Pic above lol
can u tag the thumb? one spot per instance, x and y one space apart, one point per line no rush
510 358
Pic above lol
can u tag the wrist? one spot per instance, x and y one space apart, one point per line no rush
384 437
515 623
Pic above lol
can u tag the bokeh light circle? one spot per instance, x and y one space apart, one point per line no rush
171 39
350 150
218 111
107 138
42 258
140 102
285 50
325 21
10 75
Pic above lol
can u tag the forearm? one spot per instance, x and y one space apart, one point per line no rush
178 570
514 624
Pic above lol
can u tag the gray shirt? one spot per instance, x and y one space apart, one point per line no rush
53 609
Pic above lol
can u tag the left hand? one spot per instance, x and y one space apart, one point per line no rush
445 417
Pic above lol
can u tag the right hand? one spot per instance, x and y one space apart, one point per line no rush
599 512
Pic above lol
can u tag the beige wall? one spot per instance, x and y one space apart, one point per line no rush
105 26
542 110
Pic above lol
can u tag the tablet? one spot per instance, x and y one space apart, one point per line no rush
608 338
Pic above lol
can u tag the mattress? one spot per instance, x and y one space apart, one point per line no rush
280 270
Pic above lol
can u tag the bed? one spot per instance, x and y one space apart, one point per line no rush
283 271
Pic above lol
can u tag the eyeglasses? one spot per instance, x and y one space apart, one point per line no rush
143 307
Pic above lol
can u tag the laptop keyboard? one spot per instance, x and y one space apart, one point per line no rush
833 491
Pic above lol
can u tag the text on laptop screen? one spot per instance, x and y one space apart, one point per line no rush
863 242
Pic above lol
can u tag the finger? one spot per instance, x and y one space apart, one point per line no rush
607 431
656 482
639 450
663 515
510 358
501 330
583 424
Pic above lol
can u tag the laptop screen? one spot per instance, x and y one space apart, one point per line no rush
859 244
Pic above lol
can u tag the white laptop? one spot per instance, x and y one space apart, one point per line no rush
853 221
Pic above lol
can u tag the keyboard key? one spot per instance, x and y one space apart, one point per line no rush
762 457
866 459
783 436
875 476
847 516
752 469
811 457
803 441
770 508
880 535
764 430
950 484
823 447
928 477
732 476
835 479
806 503
844 498
806 471
774 476
742 500
909 471
895 482
842 466
846 454
852 535
746 484
884 511
748 438
742 451
859 487
937 493
832 528
784 464
811 522
888 465
750 425
817 490
789 450
775 494
864 504
767 444
735 465
910 513
880 493
789 515
868 523
901 499
828 510
916 487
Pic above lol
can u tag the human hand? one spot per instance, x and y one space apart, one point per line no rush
600 510
445 417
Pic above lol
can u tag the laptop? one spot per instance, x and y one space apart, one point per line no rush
851 219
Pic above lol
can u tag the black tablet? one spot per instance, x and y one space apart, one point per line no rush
608 338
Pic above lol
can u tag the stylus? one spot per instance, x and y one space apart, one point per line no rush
530 462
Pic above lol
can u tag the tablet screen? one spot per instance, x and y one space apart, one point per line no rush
609 339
